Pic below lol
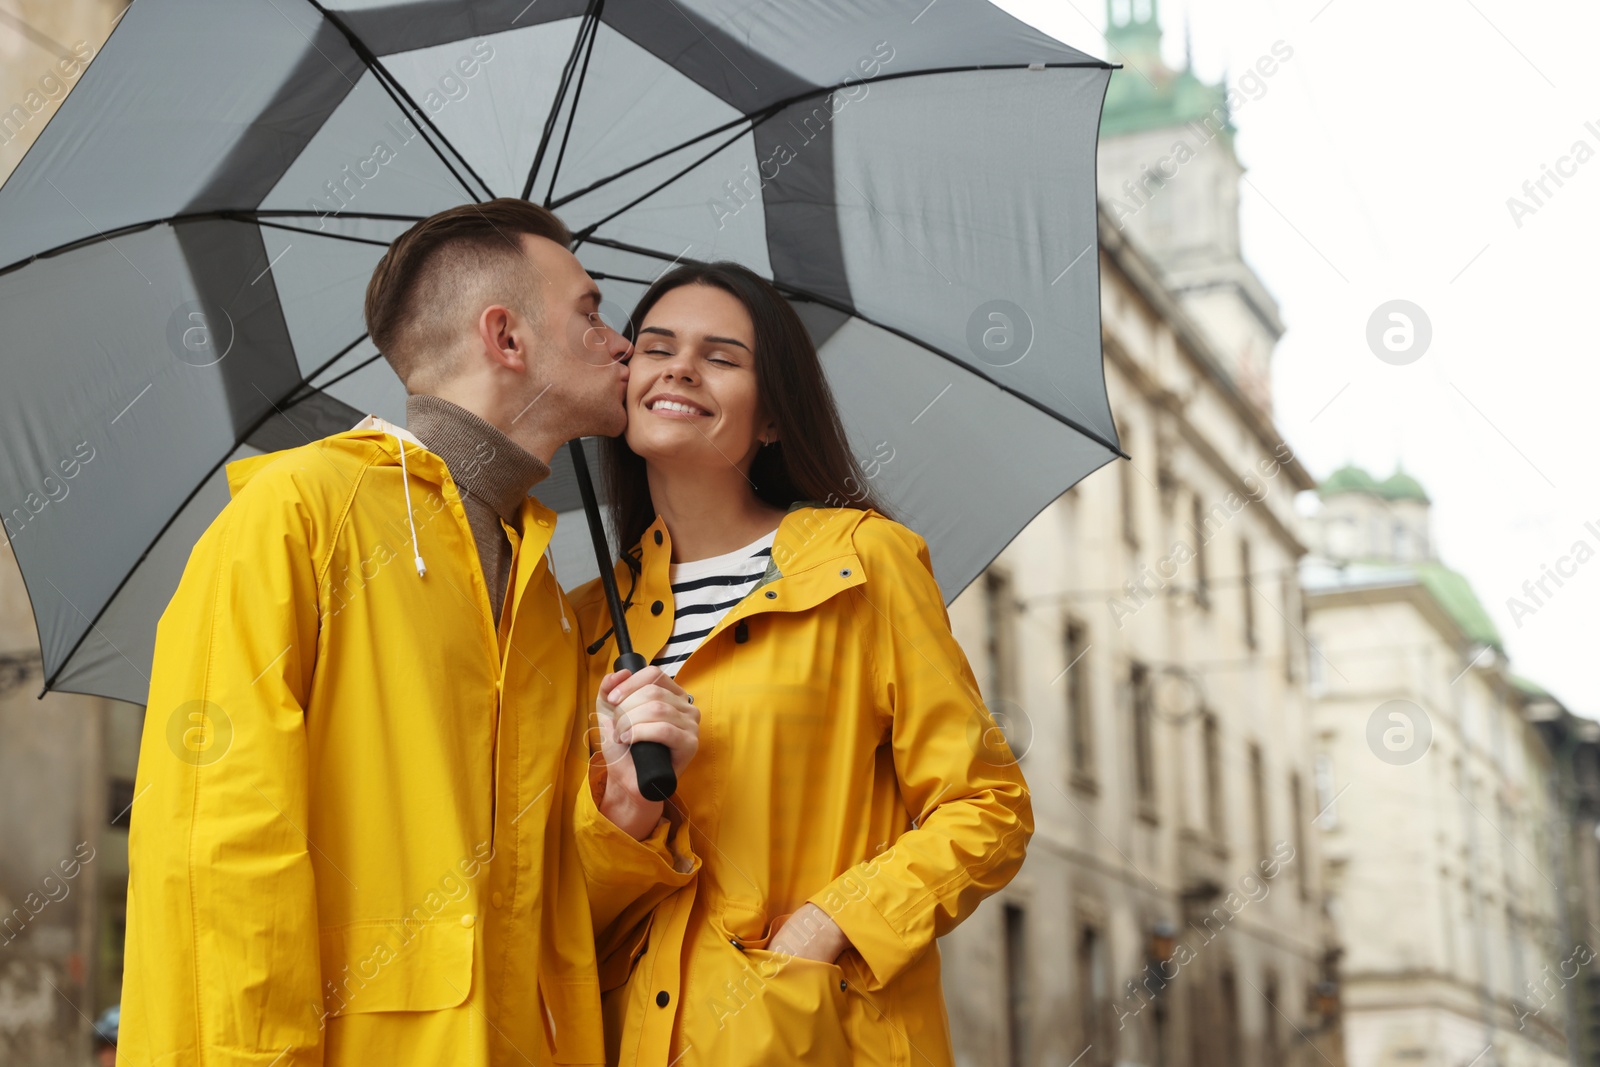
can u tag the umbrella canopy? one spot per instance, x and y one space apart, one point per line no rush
184 250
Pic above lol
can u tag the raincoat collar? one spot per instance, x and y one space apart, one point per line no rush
813 559
538 521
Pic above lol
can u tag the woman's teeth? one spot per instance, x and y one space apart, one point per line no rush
673 405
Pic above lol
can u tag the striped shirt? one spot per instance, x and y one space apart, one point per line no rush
704 591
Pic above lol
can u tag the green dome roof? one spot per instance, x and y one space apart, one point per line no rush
1401 486
1348 479
1528 686
1454 594
1147 94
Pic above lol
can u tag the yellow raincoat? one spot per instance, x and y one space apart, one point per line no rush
346 847
846 759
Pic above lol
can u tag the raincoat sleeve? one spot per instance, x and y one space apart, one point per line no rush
960 782
626 878
222 958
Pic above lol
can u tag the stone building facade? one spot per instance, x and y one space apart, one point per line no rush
1442 821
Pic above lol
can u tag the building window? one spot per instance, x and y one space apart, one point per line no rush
1316 674
1016 947
1202 576
1248 593
1327 793
1258 801
1286 589
1080 717
1144 765
1272 1036
998 612
1228 1024
1125 475
1211 735
1297 813
119 803
1094 988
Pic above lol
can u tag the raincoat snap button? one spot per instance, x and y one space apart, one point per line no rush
468 920
655 609
542 522
841 985
845 573
658 537
662 998
497 900
772 594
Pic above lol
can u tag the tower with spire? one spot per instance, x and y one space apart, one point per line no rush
1169 178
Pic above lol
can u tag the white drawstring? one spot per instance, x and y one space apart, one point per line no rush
561 601
405 481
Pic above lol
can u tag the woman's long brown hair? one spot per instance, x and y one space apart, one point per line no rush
811 460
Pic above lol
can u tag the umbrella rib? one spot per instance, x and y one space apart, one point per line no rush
321 233
561 95
331 382
402 99
828 302
789 101
577 95
584 234
330 361
226 215
287 401
730 124
602 276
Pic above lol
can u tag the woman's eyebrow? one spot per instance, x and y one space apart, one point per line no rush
664 332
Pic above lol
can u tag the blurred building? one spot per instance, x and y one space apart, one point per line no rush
66 762
1142 643
1442 807
1574 743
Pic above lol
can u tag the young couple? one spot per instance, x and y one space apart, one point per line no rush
372 822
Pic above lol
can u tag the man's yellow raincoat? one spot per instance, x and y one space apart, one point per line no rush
846 759
352 829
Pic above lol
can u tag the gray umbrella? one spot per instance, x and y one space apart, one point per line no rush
184 250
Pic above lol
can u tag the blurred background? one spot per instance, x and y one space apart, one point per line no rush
1308 708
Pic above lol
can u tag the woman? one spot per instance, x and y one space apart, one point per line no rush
848 803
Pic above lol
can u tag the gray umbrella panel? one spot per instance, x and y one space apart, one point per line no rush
214 193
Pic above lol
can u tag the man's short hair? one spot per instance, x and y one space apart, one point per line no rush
446 267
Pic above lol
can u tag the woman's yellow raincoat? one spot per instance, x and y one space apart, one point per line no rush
846 759
352 834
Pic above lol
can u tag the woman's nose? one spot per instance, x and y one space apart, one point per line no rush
679 367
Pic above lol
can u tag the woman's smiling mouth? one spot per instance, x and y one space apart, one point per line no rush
675 408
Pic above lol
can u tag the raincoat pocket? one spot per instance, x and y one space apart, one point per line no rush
780 1010
395 965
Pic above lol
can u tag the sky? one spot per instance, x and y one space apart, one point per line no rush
1381 162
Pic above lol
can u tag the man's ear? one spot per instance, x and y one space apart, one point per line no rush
500 331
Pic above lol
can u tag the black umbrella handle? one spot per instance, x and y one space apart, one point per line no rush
652 762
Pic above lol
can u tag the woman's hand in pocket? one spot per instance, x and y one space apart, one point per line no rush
811 935
648 706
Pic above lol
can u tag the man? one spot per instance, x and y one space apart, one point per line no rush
364 787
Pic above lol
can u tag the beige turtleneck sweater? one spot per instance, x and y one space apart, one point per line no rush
493 472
